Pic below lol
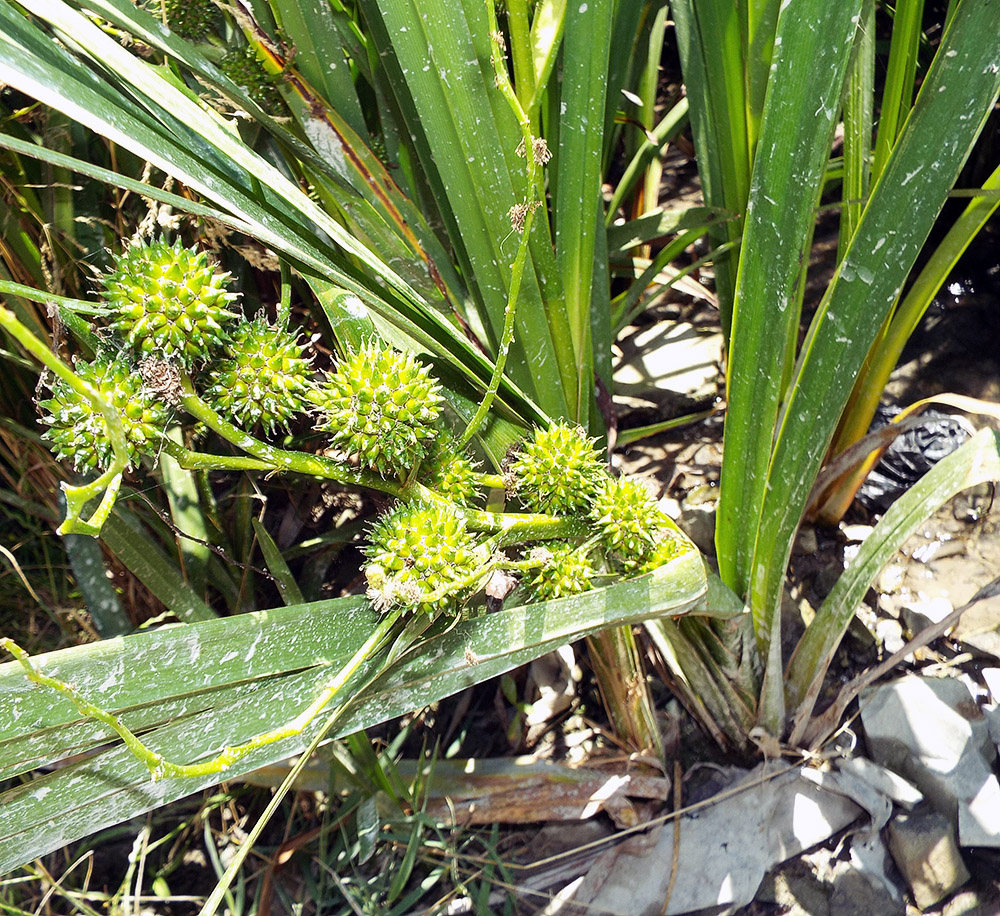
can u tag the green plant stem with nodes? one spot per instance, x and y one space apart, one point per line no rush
110 481
159 766
512 526
533 169
279 458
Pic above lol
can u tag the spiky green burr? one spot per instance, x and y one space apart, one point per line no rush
191 19
558 472
244 68
263 378
447 471
627 517
422 558
78 431
169 302
381 407
566 569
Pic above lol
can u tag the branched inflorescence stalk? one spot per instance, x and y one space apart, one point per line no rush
175 345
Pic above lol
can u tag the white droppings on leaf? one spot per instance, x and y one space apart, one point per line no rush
583 7
115 675
355 307
252 651
228 657
325 142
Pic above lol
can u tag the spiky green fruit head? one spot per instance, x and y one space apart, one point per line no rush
78 431
381 407
168 301
558 472
671 544
566 569
264 377
244 68
423 558
449 472
191 19
627 518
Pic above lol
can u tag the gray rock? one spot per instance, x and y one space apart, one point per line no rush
883 780
924 849
725 849
933 733
698 523
856 893
797 889
979 628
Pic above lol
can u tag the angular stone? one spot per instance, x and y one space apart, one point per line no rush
890 784
924 849
857 894
979 628
932 732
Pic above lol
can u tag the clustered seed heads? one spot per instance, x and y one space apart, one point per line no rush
422 558
173 316
168 301
264 378
381 407
79 432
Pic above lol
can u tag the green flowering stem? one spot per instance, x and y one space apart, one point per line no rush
157 765
203 461
512 527
110 481
507 91
279 459
532 202
489 481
